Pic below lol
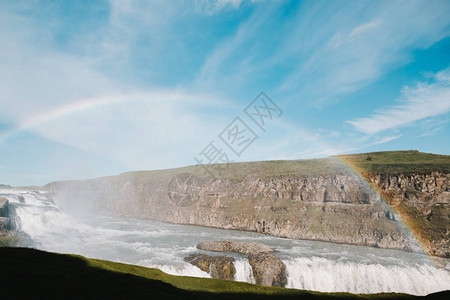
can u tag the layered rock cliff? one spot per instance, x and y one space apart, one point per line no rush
374 199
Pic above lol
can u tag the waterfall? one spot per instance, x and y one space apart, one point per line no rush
310 265
244 270
320 274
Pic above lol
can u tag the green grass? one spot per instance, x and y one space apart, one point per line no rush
14 239
433 227
387 162
399 162
9 241
33 274
375 162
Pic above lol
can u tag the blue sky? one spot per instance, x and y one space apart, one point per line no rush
95 88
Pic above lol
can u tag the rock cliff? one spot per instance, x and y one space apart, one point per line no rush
372 199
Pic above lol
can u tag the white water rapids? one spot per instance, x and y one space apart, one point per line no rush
310 265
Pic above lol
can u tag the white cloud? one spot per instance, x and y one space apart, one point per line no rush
44 91
323 55
35 77
347 58
216 6
422 101
364 28
212 74
385 140
154 130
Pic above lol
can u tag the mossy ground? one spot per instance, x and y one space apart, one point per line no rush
34 274
9 241
12 238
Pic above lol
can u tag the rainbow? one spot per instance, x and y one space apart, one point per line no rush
96 102
405 224
92 103
59 112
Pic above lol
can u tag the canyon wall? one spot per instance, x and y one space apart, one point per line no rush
336 205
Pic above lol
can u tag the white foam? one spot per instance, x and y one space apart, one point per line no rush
337 268
244 271
324 275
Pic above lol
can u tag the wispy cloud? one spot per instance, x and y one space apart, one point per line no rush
385 140
147 84
364 28
324 49
347 53
67 98
215 6
432 126
421 101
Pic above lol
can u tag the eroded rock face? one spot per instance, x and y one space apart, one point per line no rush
220 267
246 248
268 269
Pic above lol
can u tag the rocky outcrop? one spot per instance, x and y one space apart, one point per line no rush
315 200
7 220
246 248
267 269
220 267
4 210
9 235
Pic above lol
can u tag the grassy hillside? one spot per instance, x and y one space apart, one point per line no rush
33 274
399 162
387 162
392 162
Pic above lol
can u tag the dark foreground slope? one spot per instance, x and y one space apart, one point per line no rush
316 199
33 274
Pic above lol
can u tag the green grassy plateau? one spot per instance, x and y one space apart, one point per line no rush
33 274
384 162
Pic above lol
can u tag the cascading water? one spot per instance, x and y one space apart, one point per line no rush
244 270
310 265
324 275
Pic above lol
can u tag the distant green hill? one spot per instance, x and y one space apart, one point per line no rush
33 274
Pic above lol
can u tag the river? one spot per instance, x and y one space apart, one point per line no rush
310 265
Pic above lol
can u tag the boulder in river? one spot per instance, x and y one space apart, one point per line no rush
267 269
220 267
4 212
